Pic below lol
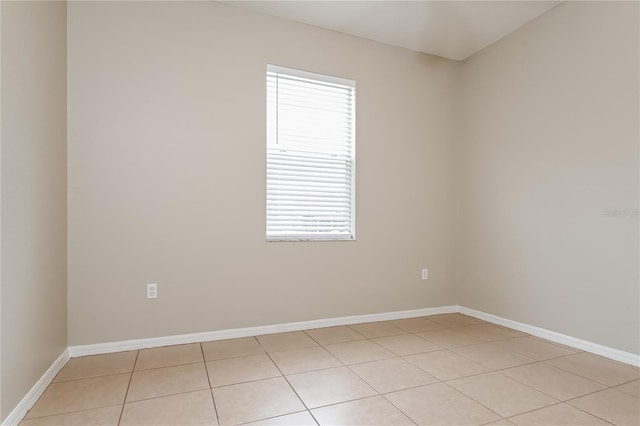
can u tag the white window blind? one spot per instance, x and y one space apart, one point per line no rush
310 156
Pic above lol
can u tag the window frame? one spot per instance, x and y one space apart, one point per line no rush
331 80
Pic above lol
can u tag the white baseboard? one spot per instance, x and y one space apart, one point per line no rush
21 410
128 345
27 402
595 348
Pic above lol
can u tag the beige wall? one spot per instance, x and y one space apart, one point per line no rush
33 193
167 174
550 146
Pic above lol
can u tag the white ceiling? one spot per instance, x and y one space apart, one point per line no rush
451 29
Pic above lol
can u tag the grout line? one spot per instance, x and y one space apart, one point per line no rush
215 409
70 412
290 385
500 371
553 405
128 386
275 417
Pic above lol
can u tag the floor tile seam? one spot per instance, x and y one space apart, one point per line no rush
213 400
71 412
449 380
399 409
302 372
553 405
291 387
544 392
235 357
370 340
412 334
626 383
316 369
169 366
412 387
91 377
363 379
591 414
166 395
598 391
578 374
482 404
363 337
273 417
465 396
346 401
300 349
470 375
248 381
238 356
624 391
561 369
310 337
385 322
417 353
370 360
124 401
533 361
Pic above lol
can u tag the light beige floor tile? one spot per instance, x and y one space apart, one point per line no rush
107 416
492 356
446 365
438 404
450 338
377 329
76 395
390 375
192 408
557 415
490 332
330 386
632 388
242 369
501 394
416 325
302 418
372 411
328 335
599 369
286 341
406 344
165 381
553 381
611 405
247 402
454 320
97 365
231 348
302 360
358 351
168 356
535 348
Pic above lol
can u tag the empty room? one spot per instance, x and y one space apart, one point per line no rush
319 213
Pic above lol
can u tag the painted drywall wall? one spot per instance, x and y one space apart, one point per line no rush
33 192
167 174
549 166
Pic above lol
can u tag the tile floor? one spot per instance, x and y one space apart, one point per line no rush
439 370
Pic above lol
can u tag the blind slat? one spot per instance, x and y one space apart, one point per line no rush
310 156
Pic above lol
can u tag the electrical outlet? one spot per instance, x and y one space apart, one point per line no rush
152 291
425 274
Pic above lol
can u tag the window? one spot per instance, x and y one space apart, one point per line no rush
310 156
